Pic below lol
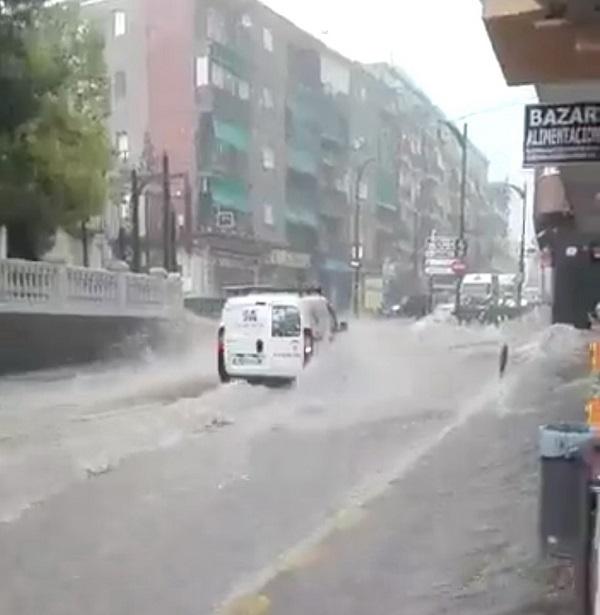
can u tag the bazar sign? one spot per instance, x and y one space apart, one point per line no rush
284 258
558 134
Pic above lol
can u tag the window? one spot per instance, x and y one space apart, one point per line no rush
215 26
363 190
201 71
120 85
119 23
217 76
266 99
243 90
269 216
223 79
246 20
267 39
363 94
268 158
286 321
123 146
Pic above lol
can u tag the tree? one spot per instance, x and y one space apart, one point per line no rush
54 151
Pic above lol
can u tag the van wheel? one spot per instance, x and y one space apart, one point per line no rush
224 377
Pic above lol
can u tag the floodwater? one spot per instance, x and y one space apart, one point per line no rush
251 474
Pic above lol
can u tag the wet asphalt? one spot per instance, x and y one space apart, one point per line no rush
400 477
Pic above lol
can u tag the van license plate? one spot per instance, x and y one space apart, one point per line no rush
247 359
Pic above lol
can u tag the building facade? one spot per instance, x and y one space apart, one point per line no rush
271 127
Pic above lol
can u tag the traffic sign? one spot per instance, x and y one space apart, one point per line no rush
459 268
432 270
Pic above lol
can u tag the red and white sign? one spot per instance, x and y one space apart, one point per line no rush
459 268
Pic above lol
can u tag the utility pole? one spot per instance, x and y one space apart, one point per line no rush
84 244
464 143
135 222
357 248
462 139
522 192
187 198
166 213
522 250
173 242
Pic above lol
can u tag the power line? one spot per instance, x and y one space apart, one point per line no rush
515 103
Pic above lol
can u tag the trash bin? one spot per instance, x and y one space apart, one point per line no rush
564 497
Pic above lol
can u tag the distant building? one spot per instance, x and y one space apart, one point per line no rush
271 126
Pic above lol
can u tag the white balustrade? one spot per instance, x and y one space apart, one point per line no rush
27 286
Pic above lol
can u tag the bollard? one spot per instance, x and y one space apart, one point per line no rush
564 487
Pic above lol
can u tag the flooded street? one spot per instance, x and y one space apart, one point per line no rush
150 488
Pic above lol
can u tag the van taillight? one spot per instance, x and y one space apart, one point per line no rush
221 340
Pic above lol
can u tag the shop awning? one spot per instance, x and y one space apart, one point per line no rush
302 161
336 266
229 193
232 134
301 217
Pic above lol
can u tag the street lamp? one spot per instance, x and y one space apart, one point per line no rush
522 192
356 248
463 141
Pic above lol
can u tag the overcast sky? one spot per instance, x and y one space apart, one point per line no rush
444 47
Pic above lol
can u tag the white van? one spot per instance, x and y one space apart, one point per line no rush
269 335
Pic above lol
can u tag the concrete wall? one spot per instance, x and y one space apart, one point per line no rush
39 341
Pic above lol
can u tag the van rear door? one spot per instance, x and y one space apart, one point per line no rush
286 343
247 329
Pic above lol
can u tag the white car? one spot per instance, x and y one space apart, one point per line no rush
269 335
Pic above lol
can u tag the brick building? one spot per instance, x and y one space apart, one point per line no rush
271 126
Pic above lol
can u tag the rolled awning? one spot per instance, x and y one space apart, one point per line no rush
302 217
230 194
232 134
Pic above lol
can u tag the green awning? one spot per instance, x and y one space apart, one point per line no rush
388 206
232 134
229 193
302 217
386 190
336 266
302 161
229 58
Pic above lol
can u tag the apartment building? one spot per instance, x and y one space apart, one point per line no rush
271 126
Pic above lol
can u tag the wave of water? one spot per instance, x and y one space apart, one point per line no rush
63 426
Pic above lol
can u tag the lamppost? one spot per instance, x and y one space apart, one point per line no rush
356 247
460 248
139 182
522 192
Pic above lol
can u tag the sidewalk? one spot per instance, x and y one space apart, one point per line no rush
457 534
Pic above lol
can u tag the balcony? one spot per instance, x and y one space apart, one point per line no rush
537 44
232 135
302 161
387 197
229 58
229 193
334 127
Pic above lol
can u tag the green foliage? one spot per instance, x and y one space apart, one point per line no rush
54 151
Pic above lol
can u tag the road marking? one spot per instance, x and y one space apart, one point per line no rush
257 604
366 492
303 559
348 519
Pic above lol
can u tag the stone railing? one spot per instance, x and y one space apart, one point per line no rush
38 287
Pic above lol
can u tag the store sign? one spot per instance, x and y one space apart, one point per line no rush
558 134
284 258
